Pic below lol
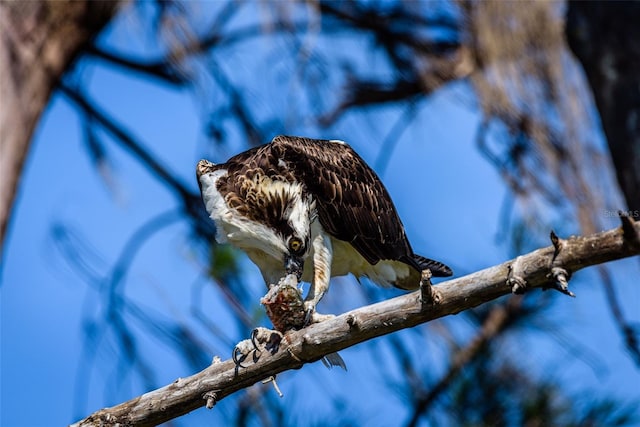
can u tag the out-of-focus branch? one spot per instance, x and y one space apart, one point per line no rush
156 69
429 65
191 201
167 67
441 70
394 27
546 267
628 332
128 141
498 319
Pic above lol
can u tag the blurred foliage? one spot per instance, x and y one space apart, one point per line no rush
223 262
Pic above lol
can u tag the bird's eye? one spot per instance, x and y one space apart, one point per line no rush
295 245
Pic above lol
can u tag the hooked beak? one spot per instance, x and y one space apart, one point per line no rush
294 265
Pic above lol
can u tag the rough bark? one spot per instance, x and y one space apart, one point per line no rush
604 37
546 267
38 42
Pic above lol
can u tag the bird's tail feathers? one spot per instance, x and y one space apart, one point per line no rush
334 359
437 268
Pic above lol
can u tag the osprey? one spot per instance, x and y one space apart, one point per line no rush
313 208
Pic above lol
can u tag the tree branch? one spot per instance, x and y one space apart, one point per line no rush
191 201
548 267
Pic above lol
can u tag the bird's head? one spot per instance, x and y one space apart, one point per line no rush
267 216
280 215
285 238
294 233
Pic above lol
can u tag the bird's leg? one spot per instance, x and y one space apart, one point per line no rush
322 255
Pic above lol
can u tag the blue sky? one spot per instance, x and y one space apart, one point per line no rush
448 196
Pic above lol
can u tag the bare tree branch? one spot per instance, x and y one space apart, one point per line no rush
548 267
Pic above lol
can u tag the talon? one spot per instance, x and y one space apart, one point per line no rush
254 335
234 356
309 310
307 318
273 344
241 351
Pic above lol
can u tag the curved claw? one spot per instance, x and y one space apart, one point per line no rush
238 361
241 352
308 315
309 310
254 334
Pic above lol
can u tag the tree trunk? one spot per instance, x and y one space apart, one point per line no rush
604 37
38 42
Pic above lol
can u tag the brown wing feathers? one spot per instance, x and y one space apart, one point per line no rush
353 206
352 203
